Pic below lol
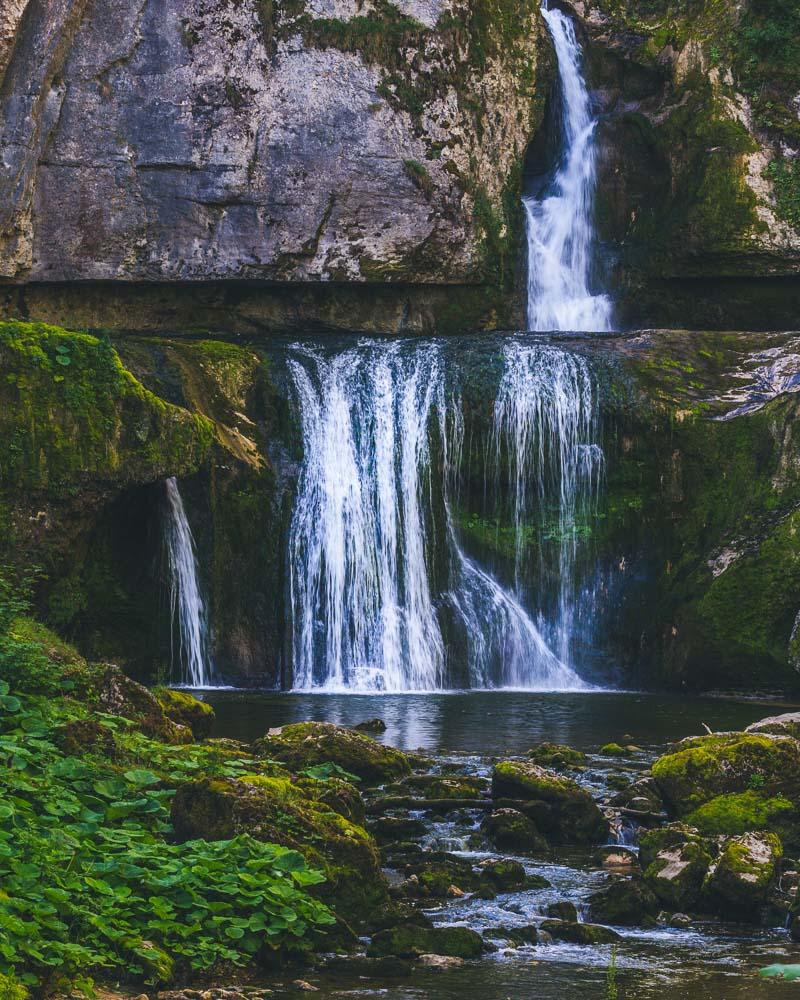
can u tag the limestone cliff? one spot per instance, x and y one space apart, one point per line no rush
328 141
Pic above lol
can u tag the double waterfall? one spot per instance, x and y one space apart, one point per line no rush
384 596
387 590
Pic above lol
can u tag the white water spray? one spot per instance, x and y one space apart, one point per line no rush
186 601
375 571
546 427
559 222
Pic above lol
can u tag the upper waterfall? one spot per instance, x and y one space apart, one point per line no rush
383 594
559 220
186 600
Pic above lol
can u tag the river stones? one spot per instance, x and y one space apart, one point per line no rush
512 830
371 726
276 810
410 941
578 933
744 872
503 874
567 812
557 756
391 829
641 795
305 744
675 861
702 768
625 902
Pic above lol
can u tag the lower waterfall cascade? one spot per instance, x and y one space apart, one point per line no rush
560 231
379 580
187 607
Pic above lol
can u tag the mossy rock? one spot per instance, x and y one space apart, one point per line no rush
744 873
390 829
742 812
613 750
563 910
305 744
702 768
339 795
86 736
512 830
119 695
641 794
278 810
787 724
503 874
186 710
410 941
571 814
578 933
625 902
446 786
557 756
675 861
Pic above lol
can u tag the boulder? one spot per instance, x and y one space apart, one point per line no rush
576 933
411 941
117 694
503 874
563 910
440 963
741 812
186 710
445 786
570 814
557 756
277 810
641 795
787 724
305 744
744 872
390 829
613 750
82 736
512 830
675 861
625 902
371 726
701 768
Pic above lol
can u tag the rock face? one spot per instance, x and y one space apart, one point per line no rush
746 868
675 861
199 140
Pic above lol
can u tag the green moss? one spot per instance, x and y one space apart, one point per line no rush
613 750
741 812
12 989
557 755
69 409
185 709
785 177
418 174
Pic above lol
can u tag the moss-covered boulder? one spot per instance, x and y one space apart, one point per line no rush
787 724
741 812
278 810
446 786
613 750
744 872
410 941
339 795
675 861
702 768
305 744
503 874
82 736
641 795
514 831
578 933
557 756
626 902
186 710
570 814
117 694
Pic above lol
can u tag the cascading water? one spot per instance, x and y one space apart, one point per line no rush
559 222
546 430
378 577
186 601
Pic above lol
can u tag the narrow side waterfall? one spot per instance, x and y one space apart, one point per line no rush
559 220
187 607
383 596
546 435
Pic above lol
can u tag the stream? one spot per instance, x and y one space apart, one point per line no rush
465 733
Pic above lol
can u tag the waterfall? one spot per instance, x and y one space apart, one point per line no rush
546 430
186 600
379 582
559 221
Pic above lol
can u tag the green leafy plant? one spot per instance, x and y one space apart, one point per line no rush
612 992
328 770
